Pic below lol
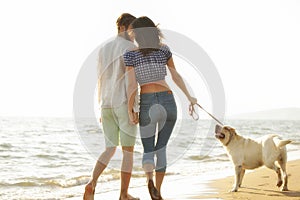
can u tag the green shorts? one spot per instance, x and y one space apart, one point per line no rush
116 127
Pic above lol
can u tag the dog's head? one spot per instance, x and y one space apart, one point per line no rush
224 134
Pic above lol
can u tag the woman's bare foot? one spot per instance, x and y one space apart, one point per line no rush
129 197
153 191
89 191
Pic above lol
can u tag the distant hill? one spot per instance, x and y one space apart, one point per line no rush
275 114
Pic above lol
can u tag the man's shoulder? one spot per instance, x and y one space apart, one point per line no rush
118 43
126 44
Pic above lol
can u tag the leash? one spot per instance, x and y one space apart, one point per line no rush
195 115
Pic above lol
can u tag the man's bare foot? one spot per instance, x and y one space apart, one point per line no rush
89 191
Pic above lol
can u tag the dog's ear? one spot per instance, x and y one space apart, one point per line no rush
232 130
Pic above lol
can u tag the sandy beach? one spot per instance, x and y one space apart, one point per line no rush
258 184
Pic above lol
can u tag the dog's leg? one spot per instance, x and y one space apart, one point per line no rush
283 174
278 172
241 177
238 170
285 180
277 169
279 180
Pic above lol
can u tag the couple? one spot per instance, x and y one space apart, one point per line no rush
122 68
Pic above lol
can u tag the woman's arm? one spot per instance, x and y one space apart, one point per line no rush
179 81
132 88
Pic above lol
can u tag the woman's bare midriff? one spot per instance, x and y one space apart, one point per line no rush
159 86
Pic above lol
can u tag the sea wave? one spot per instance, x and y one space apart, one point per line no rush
72 182
21 184
6 145
208 158
44 182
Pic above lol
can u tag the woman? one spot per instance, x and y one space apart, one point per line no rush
146 66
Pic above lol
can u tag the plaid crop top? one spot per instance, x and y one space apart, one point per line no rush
149 68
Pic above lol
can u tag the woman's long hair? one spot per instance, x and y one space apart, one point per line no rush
147 35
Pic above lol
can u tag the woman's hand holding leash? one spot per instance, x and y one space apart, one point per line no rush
195 115
193 100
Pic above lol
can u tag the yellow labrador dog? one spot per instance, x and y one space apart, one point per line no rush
246 153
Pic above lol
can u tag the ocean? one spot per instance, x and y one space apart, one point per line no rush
46 158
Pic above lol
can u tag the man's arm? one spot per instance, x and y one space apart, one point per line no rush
99 91
99 76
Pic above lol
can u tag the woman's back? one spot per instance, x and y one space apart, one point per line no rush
150 69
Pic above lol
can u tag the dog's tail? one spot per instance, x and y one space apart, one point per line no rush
281 143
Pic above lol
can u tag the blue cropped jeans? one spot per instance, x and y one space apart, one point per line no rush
158 113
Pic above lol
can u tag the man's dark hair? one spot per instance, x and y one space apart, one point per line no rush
125 20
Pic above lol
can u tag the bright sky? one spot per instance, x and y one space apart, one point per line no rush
255 46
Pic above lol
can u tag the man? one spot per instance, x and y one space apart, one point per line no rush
114 116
